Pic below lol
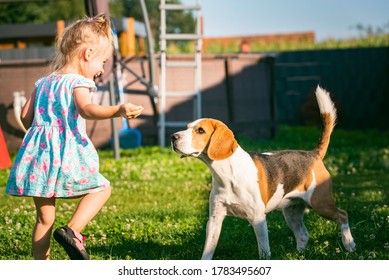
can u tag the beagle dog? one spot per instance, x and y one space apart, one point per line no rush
250 185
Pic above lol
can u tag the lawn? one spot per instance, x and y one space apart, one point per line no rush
159 205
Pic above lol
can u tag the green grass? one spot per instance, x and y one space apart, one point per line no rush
159 205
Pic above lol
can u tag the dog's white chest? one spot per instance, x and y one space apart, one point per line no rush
238 188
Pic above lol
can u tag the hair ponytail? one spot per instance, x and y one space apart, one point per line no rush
104 24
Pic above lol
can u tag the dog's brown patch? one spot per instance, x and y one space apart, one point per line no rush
262 182
328 126
201 134
214 138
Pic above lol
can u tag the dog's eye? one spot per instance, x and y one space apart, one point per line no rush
200 130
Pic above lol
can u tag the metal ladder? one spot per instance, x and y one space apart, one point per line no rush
195 64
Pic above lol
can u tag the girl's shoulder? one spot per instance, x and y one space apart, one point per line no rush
71 80
81 81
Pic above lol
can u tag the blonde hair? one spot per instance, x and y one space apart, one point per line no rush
80 33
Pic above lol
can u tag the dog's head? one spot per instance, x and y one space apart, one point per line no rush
205 138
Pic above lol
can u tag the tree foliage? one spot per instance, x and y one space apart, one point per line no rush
12 12
43 11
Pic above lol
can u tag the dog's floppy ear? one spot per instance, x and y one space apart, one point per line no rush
222 143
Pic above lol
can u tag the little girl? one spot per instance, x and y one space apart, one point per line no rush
56 158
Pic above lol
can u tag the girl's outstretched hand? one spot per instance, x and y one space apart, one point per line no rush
130 111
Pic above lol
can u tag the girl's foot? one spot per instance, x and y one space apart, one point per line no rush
71 241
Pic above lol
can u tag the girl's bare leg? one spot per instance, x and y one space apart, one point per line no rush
45 217
87 208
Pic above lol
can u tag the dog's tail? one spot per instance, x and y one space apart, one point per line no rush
328 114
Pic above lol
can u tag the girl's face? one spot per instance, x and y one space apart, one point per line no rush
95 58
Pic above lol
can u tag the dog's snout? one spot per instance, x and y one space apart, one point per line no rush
174 137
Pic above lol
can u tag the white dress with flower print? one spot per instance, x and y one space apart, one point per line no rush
56 158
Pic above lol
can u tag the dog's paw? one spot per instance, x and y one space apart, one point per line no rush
265 255
347 238
349 245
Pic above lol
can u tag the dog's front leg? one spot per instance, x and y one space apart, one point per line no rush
261 232
217 214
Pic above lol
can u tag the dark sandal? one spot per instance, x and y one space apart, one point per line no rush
71 241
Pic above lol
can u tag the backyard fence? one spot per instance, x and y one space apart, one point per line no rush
358 80
252 93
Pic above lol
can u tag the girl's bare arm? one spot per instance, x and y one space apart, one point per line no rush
27 114
91 111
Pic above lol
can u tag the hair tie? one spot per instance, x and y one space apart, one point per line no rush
89 19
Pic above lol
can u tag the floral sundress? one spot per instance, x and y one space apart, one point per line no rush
56 157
